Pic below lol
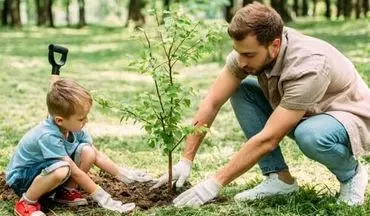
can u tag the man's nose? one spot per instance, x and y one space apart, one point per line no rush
243 62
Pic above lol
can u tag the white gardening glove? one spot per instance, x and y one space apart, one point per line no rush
128 175
105 200
199 194
180 173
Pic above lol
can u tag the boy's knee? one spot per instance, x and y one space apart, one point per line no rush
61 173
88 154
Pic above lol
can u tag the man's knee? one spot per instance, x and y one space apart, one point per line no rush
309 141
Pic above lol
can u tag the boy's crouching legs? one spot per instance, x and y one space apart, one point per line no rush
84 158
49 179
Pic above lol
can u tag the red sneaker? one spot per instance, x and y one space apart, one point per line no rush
69 197
23 208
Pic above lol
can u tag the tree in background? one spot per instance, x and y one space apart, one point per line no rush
282 8
44 11
134 12
5 13
81 13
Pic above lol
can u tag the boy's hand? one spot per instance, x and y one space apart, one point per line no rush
105 200
128 175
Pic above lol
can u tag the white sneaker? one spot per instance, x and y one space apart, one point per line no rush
353 192
271 186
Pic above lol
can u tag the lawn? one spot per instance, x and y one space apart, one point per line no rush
98 60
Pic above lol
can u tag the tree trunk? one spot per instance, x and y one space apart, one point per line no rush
40 10
365 5
49 12
135 14
347 8
245 2
339 8
15 13
281 7
314 7
166 4
68 15
296 7
81 13
169 186
229 11
328 9
5 13
358 9
304 8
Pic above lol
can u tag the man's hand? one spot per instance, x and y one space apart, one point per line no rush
105 200
199 194
180 173
128 175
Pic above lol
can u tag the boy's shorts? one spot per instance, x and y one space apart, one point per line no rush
26 176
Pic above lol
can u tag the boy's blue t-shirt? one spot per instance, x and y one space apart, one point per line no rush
41 143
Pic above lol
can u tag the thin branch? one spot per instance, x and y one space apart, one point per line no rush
124 109
191 47
182 138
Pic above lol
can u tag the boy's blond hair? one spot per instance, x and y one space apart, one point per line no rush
66 97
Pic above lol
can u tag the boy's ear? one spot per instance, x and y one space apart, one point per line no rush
58 120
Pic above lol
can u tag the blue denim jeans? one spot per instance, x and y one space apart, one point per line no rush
321 137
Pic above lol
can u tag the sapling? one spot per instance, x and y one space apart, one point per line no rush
179 39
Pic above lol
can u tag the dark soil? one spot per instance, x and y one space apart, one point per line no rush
138 193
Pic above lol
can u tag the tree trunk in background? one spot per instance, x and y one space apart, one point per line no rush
229 11
135 14
314 7
358 8
5 13
68 15
81 13
166 4
41 16
296 7
245 2
328 9
365 5
15 13
49 12
339 8
281 7
347 8
304 8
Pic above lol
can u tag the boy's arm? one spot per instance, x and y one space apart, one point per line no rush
123 174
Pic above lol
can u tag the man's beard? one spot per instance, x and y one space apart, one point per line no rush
267 65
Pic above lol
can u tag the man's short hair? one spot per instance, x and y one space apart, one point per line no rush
66 98
256 19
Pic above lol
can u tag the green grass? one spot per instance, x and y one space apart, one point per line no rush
98 60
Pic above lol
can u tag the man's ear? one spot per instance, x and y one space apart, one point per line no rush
275 47
58 120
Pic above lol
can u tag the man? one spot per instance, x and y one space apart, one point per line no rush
306 89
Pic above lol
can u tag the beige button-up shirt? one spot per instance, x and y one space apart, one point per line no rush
312 75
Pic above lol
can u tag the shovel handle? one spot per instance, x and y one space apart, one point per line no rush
57 65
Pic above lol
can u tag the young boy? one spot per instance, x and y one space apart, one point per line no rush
56 155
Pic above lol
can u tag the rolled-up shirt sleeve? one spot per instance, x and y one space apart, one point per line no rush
51 146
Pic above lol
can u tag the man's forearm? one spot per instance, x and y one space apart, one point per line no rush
244 159
205 116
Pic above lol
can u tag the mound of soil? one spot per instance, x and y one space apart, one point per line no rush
137 193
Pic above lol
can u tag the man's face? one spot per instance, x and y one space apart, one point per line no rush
253 57
75 122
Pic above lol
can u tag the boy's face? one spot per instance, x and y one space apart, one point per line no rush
75 122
